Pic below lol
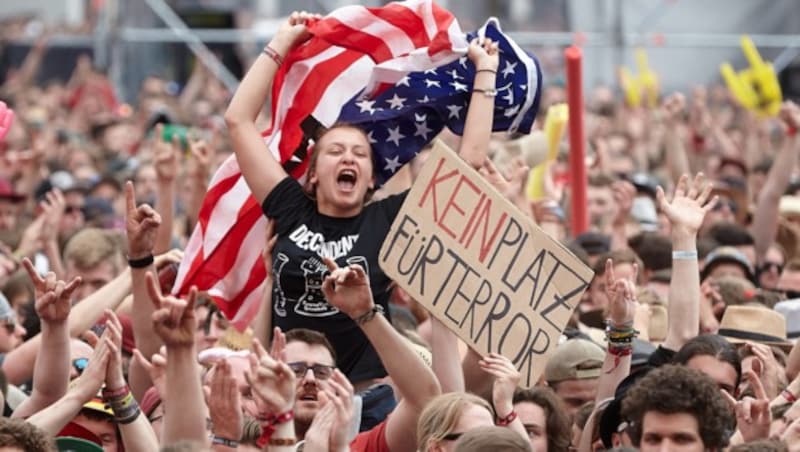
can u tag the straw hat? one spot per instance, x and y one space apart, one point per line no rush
755 324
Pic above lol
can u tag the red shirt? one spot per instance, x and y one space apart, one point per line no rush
373 440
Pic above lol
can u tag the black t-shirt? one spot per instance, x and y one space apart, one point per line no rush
304 237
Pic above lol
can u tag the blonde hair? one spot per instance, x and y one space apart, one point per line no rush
441 415
92 246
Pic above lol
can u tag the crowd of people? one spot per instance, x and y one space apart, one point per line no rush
683 340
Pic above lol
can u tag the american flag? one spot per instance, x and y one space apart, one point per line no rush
401 73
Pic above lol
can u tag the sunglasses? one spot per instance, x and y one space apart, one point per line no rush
80 364
321 371
452 436
767 266
790 294
732 206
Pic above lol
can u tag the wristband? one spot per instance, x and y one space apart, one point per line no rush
233 444
486 70
268 427
791 131
141 263
684 255
486 92
504 421
109 394
282 441
369 315
128 418
272 53
786 394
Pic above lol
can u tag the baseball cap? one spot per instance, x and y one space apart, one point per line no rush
594 242
730 255
611 418
575 359
70 444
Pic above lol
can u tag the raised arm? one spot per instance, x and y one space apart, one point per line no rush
53 418
175 323
765 221
261 172
686 211
51 373
141 224
348 290
619 333
137 433
478 124
19 363
675 150
167 164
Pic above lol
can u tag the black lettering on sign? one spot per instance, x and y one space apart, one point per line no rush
433 254
501 306
512 235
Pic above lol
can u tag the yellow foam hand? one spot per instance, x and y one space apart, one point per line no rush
554 124
631 87
647 78
755 88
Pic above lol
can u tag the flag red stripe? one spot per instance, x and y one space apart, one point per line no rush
441 42
405 19
307 96
353 39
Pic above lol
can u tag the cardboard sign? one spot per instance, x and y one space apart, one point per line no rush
481 267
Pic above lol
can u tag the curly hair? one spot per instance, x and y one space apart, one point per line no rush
558 426
28 437
675 389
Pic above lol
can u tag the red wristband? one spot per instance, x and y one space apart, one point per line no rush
272 53
268 424
786 394
504 421
791 131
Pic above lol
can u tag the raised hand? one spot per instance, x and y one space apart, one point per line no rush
156 368
506 379
689 204
113 340
174 319
53 297
167 156
53 207
753 416
510 187
347 289
93 376
621 295
224 403
6 120
272 382
141 224
318 436
624 194
484 54
673 107
790 115
339 394
294 31
201 153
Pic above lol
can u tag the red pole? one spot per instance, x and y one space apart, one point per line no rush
577 153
